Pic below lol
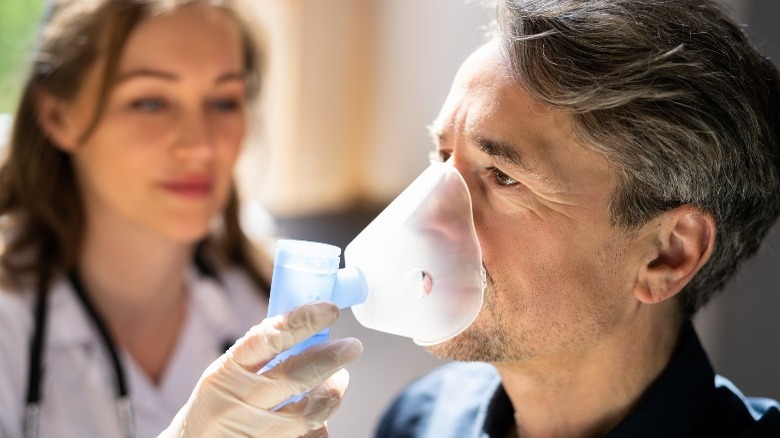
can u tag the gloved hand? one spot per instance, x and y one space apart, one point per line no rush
233 400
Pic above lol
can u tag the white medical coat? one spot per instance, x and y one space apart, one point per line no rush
78 389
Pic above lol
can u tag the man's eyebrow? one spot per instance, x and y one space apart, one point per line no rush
434 132
495 148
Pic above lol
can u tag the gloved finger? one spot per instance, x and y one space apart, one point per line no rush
320 404
274 335
243 420
305 371
306 417
216 410
318 433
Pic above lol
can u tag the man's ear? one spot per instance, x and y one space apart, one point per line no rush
52 115
681 243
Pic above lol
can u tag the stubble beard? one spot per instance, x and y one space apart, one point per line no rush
499 333
486 340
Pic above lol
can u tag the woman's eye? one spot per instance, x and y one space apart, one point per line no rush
502 179
225 105
148 105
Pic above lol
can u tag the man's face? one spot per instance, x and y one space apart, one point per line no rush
560 277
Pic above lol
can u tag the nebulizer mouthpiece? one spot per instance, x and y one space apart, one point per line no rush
414 271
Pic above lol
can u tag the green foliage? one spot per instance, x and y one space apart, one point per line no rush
19 21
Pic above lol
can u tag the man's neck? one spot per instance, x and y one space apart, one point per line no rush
587 393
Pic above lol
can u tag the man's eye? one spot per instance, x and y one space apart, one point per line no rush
439 155
502 179
148 105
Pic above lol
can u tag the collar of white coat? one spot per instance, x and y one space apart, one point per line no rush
69 323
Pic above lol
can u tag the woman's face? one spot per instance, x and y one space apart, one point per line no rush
162 154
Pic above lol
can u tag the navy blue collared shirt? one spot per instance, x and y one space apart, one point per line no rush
687 400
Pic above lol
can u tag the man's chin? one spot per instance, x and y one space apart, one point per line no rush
471 346
441 350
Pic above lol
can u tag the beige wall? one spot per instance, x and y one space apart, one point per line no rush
351 86
307 155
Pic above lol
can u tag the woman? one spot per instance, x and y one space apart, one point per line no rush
125 270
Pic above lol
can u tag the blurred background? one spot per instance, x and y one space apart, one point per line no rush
350 87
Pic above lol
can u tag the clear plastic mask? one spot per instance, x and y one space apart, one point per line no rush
414 271
422 261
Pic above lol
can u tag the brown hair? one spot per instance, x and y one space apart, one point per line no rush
675 96
42 210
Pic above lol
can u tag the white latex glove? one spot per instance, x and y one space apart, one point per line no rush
233 400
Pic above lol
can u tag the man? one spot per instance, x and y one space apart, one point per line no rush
622 158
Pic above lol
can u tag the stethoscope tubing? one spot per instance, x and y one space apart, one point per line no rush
32 411
35 376
35 372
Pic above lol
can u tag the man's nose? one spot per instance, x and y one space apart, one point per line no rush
467 171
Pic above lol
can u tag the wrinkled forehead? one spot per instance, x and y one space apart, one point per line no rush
476 77
485 92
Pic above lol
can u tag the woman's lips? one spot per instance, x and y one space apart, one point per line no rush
194 188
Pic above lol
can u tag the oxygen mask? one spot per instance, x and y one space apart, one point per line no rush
414 271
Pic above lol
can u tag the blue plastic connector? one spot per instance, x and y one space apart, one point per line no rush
309 271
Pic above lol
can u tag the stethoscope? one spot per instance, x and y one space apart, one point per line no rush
35 374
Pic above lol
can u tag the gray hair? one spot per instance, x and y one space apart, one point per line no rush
673 94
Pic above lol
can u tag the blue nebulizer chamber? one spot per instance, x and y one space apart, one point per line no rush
414 271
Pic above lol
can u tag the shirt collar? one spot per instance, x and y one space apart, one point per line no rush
685 387
500 415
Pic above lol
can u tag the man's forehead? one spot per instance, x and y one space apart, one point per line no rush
486 95
489 55
474 79
495 113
